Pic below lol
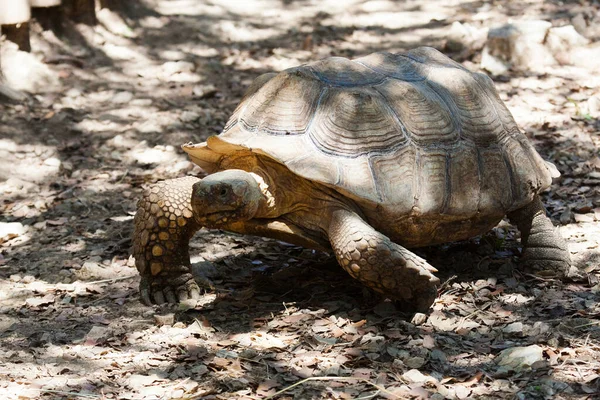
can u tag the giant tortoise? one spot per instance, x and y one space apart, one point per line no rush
367 158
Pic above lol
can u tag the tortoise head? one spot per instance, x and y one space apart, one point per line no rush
224 197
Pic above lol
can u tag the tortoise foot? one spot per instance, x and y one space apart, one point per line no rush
544 250
381 264
164 224
169 288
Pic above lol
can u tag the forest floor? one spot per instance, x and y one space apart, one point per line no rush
128 92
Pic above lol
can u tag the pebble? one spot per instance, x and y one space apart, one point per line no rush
414 362
52 162
415 376
515 327
9 230
122 97
519 358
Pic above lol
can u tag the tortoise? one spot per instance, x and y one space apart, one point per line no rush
368 158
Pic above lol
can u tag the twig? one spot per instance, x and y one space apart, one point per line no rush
447 282
586 325
111 280
333 378
542 279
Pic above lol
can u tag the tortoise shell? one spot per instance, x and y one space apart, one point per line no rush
413 133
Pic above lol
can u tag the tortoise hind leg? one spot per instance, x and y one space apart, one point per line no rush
381 264
164 225
543 247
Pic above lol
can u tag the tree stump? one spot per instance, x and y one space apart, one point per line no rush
14 17
49 14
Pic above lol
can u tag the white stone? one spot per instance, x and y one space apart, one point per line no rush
122 97
9 230
519 358
515 327
52 162
519 44
415 376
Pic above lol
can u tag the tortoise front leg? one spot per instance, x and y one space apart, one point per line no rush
381 264
543 247
164 225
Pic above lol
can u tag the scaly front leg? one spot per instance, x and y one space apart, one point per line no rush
164 225
381 264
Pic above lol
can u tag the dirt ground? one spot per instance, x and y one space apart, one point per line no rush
128 92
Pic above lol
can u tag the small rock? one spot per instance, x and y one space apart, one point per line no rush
515 327
519 358
9 230
519 44
96 335
122 97
414 362
565 217
418 319
415 376
52 162
438 355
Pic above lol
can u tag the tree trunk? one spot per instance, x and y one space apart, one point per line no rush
48 13
50 18
19 34
81 11
14 17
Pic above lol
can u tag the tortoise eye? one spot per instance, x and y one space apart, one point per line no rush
223 192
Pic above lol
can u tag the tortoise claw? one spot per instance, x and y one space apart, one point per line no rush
166 288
